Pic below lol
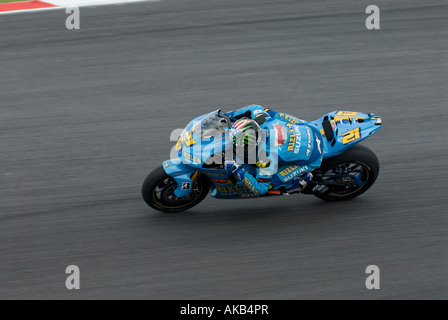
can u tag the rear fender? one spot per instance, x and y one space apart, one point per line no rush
341 130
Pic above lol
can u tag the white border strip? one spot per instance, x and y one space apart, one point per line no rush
29 10
88 3
80 3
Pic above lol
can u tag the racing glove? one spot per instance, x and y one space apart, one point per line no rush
233 167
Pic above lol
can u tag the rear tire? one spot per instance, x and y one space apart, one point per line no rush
359 160
158 192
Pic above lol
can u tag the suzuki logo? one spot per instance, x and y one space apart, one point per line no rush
318 145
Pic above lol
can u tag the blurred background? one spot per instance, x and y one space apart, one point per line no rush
87 114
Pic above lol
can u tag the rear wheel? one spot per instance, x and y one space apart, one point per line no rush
347 175
158 192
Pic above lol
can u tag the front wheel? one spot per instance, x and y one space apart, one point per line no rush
347 175
158 192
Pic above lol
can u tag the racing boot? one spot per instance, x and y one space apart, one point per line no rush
300 184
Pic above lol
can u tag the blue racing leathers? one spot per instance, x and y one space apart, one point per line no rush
290 148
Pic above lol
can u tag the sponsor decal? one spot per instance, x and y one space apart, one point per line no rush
295 138
292 176
186 186
290 119
346 113
308 133
249 195
291 172
347 116
188 138
214 174
191 157
250 185
298 139
292 137
233 190
333 125
229 194
179 144
318 144
288 170
280 135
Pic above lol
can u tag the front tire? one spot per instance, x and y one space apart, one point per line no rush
358 165
158 192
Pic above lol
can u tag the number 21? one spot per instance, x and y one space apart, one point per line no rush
351 136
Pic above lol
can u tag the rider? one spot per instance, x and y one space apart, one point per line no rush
280 144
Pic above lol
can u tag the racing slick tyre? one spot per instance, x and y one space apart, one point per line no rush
354 170
158 192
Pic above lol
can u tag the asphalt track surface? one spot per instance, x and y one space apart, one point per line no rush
86 114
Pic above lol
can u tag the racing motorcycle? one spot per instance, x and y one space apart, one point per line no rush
197 169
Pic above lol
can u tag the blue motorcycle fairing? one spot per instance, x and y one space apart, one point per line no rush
191 160
344 129
194 149
181 173
221 185
340 130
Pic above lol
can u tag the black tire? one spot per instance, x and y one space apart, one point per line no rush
158 187
359 157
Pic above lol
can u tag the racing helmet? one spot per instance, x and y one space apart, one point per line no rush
245 133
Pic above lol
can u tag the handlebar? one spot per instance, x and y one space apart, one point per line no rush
229 122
